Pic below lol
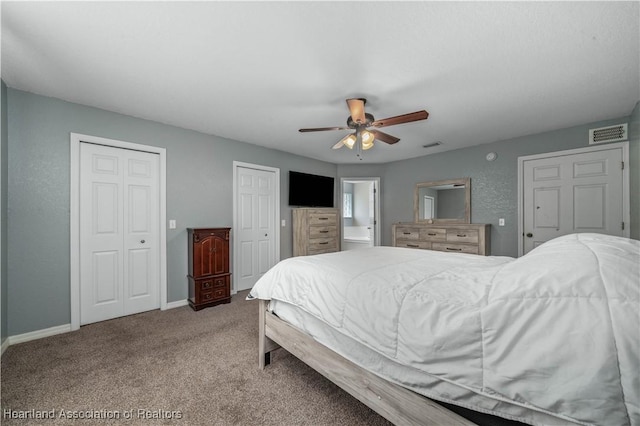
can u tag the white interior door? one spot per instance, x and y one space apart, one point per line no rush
570 193
255 224
119 232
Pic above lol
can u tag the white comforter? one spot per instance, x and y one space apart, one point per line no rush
556 331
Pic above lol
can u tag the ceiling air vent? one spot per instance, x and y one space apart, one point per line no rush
431 145
615 133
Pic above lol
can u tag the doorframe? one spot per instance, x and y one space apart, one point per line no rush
376 207
626 193
276 213
75 140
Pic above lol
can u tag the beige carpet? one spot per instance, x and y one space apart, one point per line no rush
201 365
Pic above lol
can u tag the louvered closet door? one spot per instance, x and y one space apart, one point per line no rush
119 232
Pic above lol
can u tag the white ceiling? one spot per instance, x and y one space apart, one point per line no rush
259 71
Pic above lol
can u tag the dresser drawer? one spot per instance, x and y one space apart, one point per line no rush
322 250
216 294
328 218
462 236
414 244
208 284
455 248
433 234
323 231
201 233
209 291
322 244
451 238
407 233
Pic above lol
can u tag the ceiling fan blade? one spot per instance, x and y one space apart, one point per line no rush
400 119
339 145
384 137
322 129
356 108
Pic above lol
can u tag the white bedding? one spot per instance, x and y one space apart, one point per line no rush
553 334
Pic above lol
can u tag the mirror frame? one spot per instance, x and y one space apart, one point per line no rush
467 200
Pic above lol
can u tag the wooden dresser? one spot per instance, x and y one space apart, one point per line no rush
455 238
315 231
209 276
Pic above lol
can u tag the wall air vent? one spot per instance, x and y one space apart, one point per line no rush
617 133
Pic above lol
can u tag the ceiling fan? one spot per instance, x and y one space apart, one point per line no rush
359 121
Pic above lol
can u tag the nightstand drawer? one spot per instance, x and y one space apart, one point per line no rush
455 248
462 236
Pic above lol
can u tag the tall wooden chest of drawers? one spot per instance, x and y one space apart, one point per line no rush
454 238
315 231
209 275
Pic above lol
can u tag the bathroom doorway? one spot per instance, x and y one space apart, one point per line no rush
360 198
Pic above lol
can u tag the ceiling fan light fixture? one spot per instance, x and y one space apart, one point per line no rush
349 141
367 139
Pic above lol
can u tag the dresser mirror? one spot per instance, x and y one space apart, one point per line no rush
447 201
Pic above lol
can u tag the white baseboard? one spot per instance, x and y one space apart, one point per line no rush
38 334
52 331
176 304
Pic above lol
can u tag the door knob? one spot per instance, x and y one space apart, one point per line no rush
529 235
142 241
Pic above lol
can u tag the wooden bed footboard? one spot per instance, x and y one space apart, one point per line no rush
399 405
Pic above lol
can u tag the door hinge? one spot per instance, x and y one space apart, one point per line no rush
623 226
623 165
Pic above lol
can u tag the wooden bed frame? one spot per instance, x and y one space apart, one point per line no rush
399 405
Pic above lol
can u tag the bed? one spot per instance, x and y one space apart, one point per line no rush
550 338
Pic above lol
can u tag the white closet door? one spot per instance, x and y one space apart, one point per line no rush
570 193
255 231
119 232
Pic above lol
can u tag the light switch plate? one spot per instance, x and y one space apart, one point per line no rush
172 224
501 222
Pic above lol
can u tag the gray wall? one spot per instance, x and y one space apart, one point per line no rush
3 213
494 192
35 192
199 194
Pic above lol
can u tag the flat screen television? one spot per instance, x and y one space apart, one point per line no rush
306 190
